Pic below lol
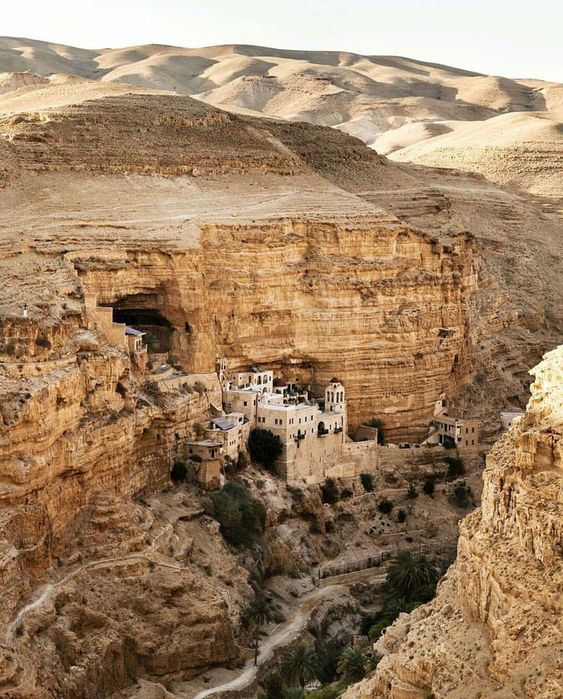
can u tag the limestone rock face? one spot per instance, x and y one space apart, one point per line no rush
495 628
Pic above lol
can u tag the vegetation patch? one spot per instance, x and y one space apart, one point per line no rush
367 482
265 447
455 467
242 518
329 492
385 506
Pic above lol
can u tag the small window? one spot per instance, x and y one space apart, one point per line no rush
245 403
472 429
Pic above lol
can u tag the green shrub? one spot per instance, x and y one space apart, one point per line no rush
449 442
409 576
179 472
377 629
376 422
455 467
352 664
461 495
328 660
300 665
367 481
196 458
330 692
273 686
329 492
265 447
429 486
412 492
241 517
385 506
401 516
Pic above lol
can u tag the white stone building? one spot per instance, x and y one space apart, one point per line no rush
232 431
463 432
313 433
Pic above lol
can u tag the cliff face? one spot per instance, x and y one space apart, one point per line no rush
495 628
309 278
381 306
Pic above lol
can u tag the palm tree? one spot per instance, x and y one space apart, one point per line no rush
151 341
300 665
294 693
259 612
352 664
409 574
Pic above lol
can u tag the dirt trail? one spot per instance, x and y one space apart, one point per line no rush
51 587
281 636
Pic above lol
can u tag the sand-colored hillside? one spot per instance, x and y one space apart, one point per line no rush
522 149
391 103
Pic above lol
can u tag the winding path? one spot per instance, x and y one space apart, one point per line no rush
281 636
51 587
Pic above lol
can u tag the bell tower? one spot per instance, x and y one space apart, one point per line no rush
335 400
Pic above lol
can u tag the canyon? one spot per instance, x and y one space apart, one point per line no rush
263 242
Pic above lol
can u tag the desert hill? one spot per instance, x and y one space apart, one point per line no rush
209 167
391 103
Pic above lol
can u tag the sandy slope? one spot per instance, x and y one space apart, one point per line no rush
523 149
392 103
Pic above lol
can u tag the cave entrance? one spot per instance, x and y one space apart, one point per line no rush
135 312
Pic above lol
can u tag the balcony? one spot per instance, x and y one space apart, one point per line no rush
322 431
299 436
337 430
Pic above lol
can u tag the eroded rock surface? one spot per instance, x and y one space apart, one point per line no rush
495 628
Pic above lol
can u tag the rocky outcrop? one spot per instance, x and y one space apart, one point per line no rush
495 628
